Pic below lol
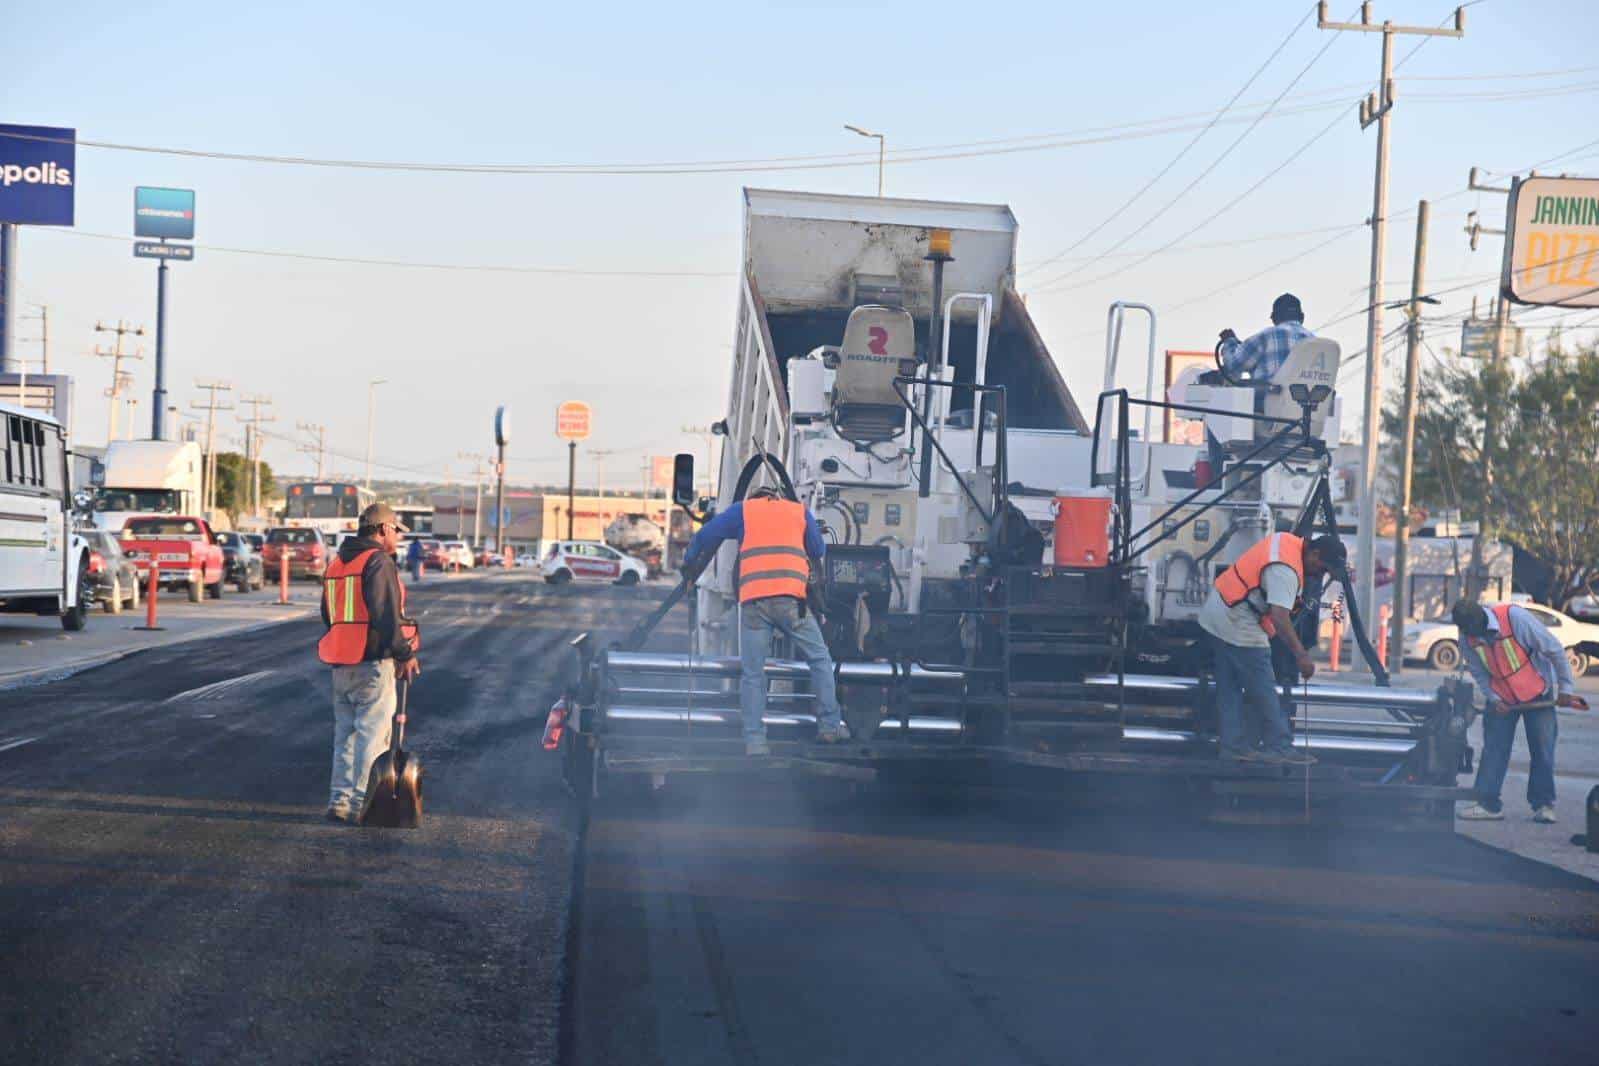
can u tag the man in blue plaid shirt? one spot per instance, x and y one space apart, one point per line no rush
1261 356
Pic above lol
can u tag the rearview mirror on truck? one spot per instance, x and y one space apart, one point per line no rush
683 480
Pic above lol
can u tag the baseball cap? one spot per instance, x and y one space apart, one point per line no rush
381 514
1287 308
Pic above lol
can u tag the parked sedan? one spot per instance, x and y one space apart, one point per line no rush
1437 641
308 554
246 570
587 560
434 555
112 574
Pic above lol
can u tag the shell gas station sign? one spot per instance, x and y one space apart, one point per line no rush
1552 242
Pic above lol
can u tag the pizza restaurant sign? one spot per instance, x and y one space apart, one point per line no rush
1552 242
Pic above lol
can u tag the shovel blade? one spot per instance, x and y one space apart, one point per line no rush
393 792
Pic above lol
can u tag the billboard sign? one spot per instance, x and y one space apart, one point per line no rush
166 214
38 174
1478 339
661 471
1552 242
573 420
157 250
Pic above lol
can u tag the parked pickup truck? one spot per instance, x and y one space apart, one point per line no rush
185 548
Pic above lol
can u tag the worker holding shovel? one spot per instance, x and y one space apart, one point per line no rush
371 645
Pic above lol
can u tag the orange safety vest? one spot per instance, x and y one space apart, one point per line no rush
771 557
344 644
1243 577
1513 677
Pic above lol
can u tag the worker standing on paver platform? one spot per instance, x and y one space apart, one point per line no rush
777 538
1515 660
1249 604
1261 356
370 644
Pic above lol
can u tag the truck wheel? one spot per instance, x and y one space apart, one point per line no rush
195 592
1444 655
214 590
112 604
73 619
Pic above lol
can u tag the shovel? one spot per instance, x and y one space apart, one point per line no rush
394 787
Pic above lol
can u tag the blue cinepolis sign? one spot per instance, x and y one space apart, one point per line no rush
38 174
166 214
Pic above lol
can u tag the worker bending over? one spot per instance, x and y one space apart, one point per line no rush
777 541
1515 661
1248 606
1261 356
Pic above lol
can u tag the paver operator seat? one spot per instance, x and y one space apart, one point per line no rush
879 345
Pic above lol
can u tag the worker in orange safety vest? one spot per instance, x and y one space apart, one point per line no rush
1248 607
371 645
1522 672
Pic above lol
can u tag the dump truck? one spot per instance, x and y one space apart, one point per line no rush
1012 584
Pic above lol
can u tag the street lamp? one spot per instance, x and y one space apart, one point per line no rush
371 410
879 136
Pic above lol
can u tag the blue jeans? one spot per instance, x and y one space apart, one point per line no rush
1244 677
758 620
416 570
363 709
1498 734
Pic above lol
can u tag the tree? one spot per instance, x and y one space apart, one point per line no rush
235 484
1545 491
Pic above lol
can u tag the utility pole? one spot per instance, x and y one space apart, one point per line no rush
1476 576
1375 109
600 455
252 445
320 448
477 508
211 407
1407 446
371 410
116 355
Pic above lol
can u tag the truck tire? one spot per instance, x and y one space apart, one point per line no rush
73 619
214 590
112 604
195 591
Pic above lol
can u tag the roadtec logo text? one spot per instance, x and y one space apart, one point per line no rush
46 174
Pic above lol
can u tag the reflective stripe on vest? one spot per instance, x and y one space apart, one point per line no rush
771 555
1512 676
344 644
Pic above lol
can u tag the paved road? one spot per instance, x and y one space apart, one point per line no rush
170 893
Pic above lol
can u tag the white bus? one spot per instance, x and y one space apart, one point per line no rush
330 506
44 565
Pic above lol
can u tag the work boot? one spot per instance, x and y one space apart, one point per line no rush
1544 814
1476 812
836 735
338 815
757 746
1288 757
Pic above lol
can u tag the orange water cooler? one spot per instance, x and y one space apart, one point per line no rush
1082 529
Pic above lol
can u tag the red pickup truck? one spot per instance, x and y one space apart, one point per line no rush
185 548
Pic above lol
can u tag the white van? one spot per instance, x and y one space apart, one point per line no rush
44 565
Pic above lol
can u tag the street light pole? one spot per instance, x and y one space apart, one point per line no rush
371 411
879 139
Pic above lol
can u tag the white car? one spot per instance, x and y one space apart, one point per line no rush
1437 641
458 553
589 560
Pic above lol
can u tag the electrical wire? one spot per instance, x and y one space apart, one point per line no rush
1183 152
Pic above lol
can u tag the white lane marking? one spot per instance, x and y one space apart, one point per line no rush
218 689
9 744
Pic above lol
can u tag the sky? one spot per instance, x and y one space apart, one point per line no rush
640 323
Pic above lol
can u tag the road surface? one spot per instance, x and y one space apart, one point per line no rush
168 892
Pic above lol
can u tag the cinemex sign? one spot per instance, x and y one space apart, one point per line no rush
37 165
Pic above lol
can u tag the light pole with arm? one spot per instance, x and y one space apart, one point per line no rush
879 138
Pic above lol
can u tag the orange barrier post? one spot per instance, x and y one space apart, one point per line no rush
1335 649
283 576
1384 613
152 589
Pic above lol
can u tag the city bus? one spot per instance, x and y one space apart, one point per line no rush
332 507
417 517
44 564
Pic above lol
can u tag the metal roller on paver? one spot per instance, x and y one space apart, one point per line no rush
1009 588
